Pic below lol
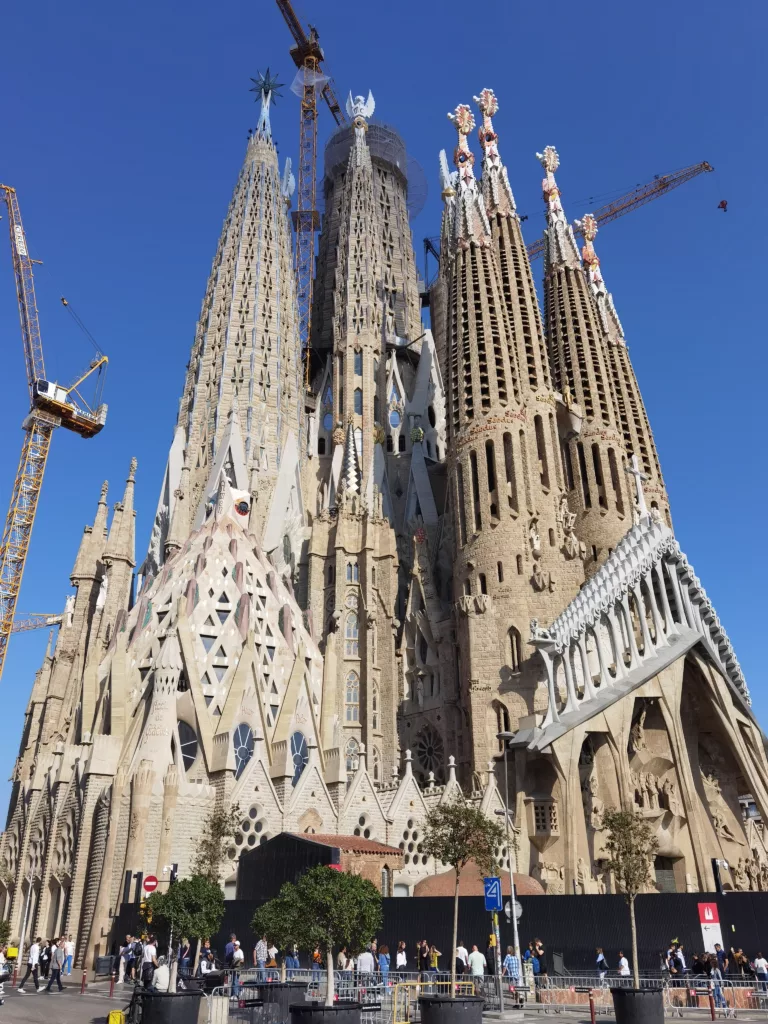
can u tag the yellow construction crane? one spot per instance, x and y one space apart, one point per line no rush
307 56
51 405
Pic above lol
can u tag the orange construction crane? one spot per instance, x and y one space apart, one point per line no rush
639 196
51 405
307 56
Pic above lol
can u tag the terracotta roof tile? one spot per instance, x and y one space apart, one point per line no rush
349 844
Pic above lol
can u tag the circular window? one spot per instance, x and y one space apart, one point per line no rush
188 744
242 508
429 751
242 741
300 755
251 840
394 418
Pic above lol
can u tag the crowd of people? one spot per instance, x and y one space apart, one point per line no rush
49 961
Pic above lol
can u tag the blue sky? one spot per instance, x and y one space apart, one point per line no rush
123 129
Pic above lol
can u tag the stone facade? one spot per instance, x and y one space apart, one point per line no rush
350 592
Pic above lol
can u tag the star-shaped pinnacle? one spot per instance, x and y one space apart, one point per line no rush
266 84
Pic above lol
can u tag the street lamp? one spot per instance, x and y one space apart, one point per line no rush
505 737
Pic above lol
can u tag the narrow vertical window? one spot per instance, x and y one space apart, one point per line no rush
509 469
615 480
598 467
352 702
567 466
490 465
583 474
500 571
541 451
475 488
483 584
515 649
462 506
359 401
358 364
519 565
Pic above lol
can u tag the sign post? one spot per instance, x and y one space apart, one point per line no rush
493 904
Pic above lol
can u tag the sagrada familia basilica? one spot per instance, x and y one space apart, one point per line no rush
352 588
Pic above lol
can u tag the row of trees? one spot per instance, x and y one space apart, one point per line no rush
327 909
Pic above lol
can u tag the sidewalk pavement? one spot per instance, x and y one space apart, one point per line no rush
67 1007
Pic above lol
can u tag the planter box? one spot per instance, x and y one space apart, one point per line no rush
445 1009
171 1007
278 997
316 1013
638 1005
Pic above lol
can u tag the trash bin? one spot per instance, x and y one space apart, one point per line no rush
167 1007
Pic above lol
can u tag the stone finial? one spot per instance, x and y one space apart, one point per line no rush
463 121
133 467
487 102
451 769
361 758
104 489
549 159
408 765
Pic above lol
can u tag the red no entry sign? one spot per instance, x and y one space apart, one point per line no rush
150 883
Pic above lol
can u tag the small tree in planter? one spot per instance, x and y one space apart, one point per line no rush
193 906
325 908
456 833
631 846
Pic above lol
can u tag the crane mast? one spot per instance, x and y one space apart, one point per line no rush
633 200
51 405
307 56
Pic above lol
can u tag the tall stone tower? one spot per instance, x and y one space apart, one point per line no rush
515 549
241 410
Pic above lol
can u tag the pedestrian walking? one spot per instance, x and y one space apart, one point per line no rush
761 970
717 982
462 958
623 965
58 957
69 950
260 957
238 962
477 963
434 956
511 967
184 957
722 958
401 959
45 958
126 951
33 966
601 963
317 963
422 957
384 964
148 961
366 965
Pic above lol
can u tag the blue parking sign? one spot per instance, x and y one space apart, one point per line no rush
492 889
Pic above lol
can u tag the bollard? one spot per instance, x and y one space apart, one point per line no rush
711 1005
592 1006
15 975
83 982
112 985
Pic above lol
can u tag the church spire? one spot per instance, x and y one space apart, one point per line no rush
497 192
514 265
470 223
267 89
630 408
581 371
560 247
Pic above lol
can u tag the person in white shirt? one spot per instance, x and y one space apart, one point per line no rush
162 979
761 970
33 966
462 956
477 963
69 952
365 962
401 957
148 962
623 965
206 964
238 961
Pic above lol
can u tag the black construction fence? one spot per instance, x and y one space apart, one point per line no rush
570 925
